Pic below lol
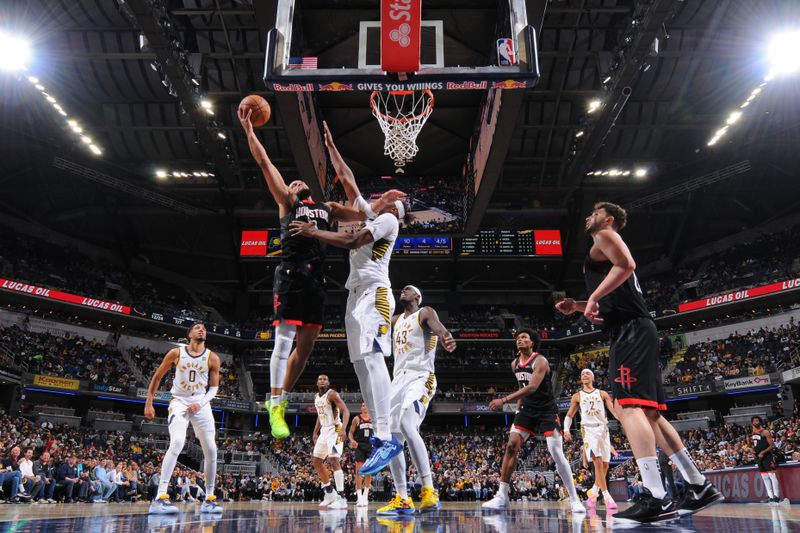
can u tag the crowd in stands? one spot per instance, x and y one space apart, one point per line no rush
69 356
763 259
749 353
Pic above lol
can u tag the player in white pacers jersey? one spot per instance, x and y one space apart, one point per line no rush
195 384
415 333
370 304
329 431
594 430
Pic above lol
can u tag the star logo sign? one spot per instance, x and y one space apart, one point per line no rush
401 35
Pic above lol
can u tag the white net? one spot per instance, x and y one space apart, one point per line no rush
401 115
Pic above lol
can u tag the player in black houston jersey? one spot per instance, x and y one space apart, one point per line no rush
616 303
360 432
298 282
536 414
764 448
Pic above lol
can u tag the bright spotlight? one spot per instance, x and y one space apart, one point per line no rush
95 149
14 52
579 134
640 172
782 52
205 104
161 174
736 115
594 105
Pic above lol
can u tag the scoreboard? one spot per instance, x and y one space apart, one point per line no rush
512 243
423 246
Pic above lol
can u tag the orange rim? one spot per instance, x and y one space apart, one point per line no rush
387 118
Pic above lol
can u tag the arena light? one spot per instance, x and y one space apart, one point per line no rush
640 172
594 105
71 123
733 117
14 52
782 52
195 174
221 135
161 174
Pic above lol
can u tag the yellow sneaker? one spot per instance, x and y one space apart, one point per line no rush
398 524
276 421
429 500
398 506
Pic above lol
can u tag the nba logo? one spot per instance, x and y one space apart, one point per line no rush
505 52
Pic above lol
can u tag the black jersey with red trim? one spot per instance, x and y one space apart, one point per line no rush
759 441
363 432
542 399
624 303
295 249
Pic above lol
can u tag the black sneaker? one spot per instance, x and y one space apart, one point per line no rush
646 509
698 497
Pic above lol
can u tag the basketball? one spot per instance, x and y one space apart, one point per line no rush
260 110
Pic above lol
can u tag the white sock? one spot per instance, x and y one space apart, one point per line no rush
274 400
503 490
768 485
338 478
688 469
776 490
607 496
556 448
651 476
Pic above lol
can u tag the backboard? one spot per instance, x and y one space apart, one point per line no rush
335 45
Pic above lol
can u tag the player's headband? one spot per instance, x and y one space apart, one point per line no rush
589 371
401 209
419 292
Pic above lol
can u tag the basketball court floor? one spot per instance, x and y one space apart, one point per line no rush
305 517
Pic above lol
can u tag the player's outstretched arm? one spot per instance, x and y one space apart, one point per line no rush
375 230
345 413
567 306
430 318
168 362
344 172
275 182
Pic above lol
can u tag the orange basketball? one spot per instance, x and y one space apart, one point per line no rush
260 110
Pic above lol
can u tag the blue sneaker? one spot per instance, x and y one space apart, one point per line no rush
163 505
210 506
383 451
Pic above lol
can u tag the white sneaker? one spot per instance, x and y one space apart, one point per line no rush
577 506
784 501
329 498
362 501
338 503
498 503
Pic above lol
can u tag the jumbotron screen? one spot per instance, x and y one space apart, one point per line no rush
512 243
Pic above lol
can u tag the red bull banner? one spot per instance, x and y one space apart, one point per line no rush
743 294
52 294
401 36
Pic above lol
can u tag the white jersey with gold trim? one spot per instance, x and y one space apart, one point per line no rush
329 416
369 264
593 409
414 347
191 374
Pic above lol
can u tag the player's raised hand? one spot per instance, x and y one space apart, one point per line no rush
149 411
244 118
326 132
566 306
567 436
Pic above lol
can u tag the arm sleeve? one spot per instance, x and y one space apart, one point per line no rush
210 395
383 226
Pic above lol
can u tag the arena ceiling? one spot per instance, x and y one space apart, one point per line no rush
660 109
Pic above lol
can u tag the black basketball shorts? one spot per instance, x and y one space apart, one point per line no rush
528 423
768 463
298 294
633 368
362 452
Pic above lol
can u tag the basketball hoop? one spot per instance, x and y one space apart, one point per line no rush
401 115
